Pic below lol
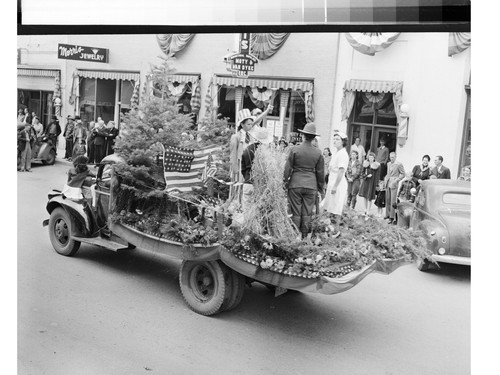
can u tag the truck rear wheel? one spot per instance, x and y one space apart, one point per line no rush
60 233
235 287
203 285
51 159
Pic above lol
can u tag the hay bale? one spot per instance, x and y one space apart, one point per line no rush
268 209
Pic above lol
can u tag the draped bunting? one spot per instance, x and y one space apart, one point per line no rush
265 45
170 44
261 98
178 90
262 94
458 42
371 43
211 100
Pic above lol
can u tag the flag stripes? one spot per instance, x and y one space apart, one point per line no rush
183 168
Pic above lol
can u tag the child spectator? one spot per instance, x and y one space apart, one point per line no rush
380 198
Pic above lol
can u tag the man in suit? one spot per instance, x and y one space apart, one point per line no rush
440 171
382 157
395 173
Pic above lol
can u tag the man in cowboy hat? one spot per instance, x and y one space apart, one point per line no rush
68 134
261 137
305 175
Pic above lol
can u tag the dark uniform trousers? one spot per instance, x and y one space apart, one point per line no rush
302 202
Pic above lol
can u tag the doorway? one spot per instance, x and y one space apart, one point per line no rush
389 135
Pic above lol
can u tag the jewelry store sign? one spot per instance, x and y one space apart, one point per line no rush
82 53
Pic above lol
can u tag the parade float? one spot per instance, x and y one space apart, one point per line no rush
167 190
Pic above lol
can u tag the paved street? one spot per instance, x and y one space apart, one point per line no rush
102 313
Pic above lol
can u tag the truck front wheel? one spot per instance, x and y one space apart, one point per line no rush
60 233
203 285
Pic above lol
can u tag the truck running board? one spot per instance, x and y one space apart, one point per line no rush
108 244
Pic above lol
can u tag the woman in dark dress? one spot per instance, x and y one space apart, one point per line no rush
370 178
421 172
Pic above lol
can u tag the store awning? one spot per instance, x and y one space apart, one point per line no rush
183 78
373 85
37 72
269 83
102 74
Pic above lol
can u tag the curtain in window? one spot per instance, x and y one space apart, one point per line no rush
371 43
458 42
265 45
170 44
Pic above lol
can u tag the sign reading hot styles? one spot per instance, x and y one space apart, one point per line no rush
72 52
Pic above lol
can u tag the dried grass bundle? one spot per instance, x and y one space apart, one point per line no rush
268 209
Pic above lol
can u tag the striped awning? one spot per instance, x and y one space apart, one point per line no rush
37 72
103 74
305 85
183 78
373 85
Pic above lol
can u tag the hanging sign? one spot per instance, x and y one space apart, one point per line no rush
242 63
73 52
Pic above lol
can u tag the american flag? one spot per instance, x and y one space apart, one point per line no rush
209 170
182 167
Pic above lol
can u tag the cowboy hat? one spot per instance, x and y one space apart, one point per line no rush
309 128
243 114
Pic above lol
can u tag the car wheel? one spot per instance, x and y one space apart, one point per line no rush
423 265
51 159
203 285
60 233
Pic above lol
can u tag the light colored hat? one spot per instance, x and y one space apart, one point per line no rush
243 114
262 136
340 134
310 128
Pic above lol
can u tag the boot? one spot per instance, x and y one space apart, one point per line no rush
306 224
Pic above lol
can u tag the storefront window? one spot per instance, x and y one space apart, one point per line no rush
105 99
373 118
37 101
98 98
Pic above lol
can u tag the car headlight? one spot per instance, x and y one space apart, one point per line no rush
441 251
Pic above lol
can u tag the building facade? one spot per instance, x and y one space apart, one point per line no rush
316 77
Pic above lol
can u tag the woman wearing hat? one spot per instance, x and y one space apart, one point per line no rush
305 174
239 141
336 191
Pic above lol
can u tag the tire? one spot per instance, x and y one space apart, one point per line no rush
236 290
423 265
203 285
51 158
60 229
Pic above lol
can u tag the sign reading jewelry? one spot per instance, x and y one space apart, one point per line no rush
72 52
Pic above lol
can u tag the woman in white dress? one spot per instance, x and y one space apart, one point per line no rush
336 191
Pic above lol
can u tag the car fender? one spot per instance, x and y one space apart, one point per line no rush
80 217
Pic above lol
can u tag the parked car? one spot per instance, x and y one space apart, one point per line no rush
441 210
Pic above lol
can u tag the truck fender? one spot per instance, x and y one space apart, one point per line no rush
80 217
